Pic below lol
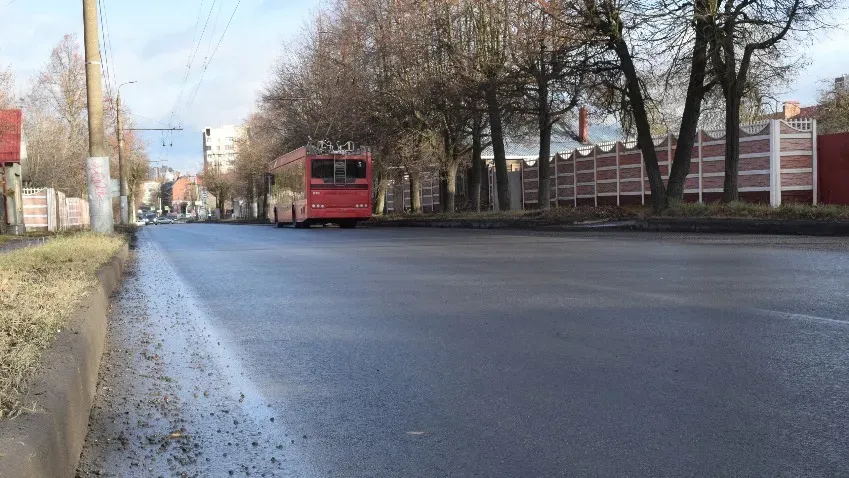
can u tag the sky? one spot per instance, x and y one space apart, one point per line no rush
151 43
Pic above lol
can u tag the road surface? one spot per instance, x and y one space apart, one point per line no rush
416 352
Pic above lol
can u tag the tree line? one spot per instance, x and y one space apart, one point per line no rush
431 84
56 125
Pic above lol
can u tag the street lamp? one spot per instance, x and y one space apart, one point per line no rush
122 168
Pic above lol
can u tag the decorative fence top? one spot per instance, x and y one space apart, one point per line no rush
30 191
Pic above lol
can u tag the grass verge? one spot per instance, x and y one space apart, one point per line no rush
559 214
570 215
6 238
39 289
743 210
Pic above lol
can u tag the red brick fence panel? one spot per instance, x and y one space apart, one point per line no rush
833 168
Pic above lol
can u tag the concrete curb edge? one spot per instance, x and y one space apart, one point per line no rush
49 441
698 225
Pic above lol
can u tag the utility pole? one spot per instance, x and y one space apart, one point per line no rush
98 178
122 165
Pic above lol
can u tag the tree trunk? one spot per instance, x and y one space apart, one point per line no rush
416 193
644 138
2 200
132 199
692 109
544 195
380 202
450 187
486 194
262 206
500 157
443 192
544 162
476 175
732 147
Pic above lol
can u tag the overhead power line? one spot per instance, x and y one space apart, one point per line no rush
209 60
104 53
145 117
192 56
108 40
214 28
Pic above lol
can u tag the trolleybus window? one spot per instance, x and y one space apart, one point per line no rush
324 169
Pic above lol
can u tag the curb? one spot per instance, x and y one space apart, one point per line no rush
48 442
543 225
745 226
695 225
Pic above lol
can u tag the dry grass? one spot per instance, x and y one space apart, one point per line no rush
39 288
6 238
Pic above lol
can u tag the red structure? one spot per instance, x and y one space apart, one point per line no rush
10 136
833 156
313 186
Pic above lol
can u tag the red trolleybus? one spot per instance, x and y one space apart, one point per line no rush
319 185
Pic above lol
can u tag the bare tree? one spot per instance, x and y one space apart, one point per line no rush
833 110
743 33
220 184
55 123
7 89
550 76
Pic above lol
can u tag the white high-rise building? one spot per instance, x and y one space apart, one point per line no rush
220 147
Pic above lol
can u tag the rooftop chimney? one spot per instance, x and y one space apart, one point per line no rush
583 126
791 109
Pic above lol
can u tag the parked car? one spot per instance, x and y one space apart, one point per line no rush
140 222
164 220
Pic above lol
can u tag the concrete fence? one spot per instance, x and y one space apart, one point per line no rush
778 163
49 209
398 194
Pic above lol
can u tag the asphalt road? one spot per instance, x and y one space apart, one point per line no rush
479 353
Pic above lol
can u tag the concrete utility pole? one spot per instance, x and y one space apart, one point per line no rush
122 165
98 178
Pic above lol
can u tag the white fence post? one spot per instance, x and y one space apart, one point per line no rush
618 181
701 172
775 163
556 183
575 177
51 209
595 174
642 179
815 172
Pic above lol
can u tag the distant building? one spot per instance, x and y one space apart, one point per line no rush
220 148
160 173
150 193
793 109
188 195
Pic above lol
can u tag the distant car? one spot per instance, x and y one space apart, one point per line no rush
164 220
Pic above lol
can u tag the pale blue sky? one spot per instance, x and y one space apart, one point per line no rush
151 43
153 39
